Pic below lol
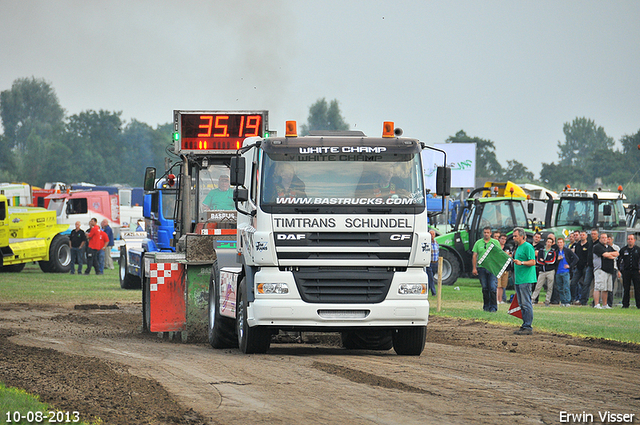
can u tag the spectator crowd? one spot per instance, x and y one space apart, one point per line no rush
584 266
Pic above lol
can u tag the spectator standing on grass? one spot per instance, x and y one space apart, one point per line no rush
524 277
616 274
547 261
488 281
504 279
77 241
603 259
567 259
629 265
96 244
581 248
586 290
108 262
435 254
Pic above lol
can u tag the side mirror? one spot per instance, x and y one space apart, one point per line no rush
606 210
149 178
236 171
240 194
443 181
530 208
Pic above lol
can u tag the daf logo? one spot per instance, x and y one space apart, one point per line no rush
291 237
399 237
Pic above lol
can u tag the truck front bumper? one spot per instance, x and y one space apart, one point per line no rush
289 310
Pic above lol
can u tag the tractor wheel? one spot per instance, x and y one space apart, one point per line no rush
451 267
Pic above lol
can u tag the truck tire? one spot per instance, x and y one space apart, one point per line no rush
451 267
250 340
127 281
146 313
59 256
13 268
409 341
221 329
367 339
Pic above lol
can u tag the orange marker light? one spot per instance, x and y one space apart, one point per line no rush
387 129
291 129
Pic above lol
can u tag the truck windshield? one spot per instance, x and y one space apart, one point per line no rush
214 191
576 212
342 183
168 204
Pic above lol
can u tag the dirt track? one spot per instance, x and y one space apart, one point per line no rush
97 362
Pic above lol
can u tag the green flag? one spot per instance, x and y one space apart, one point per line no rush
495 260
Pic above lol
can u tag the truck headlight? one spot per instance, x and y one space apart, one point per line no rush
412 288
273 288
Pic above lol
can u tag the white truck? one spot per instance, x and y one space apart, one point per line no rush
331 237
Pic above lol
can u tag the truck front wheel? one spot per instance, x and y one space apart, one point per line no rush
59 256
250 339
450 267
221 329
127 281
409 341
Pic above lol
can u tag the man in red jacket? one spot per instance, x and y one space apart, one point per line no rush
97 239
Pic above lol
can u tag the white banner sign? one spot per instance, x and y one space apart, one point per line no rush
461 157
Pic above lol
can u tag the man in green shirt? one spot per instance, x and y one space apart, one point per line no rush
488 281
220 198
524 277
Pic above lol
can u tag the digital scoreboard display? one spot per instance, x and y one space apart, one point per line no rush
199 131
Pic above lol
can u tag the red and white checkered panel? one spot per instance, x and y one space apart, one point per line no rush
158 272
218 231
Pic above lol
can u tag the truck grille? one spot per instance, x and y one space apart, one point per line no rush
341 286
291 248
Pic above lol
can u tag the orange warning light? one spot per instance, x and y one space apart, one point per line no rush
388 129
291 129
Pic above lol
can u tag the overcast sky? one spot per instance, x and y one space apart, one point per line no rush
510 71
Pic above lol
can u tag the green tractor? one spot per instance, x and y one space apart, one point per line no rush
500 206
586 210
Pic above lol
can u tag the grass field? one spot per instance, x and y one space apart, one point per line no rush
464 300
16 403
31 285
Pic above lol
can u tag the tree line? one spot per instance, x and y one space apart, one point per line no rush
41 143
587 160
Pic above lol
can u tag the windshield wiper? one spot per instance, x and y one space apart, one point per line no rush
380 210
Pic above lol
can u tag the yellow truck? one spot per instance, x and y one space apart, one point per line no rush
30 234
